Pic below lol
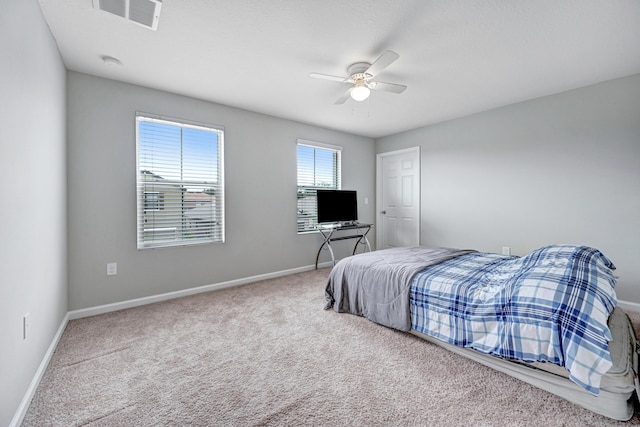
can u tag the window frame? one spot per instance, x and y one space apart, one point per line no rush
311 218
185 231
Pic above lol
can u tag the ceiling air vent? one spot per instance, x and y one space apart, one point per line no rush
142 12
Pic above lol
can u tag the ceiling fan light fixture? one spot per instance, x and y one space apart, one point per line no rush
361 75
360 92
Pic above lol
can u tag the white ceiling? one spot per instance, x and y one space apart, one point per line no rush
457 57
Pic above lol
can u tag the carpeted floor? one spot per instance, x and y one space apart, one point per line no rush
268 354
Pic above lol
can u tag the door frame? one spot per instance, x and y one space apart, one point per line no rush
379 157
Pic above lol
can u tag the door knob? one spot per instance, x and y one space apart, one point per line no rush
383 212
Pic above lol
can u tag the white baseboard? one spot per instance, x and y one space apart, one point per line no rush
325 264
92 311
35 382
107 308
629 306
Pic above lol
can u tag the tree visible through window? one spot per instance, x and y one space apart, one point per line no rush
319 167
179 182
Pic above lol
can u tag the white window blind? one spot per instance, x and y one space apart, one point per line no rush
179 182
319 167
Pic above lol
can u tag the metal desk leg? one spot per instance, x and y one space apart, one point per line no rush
333 258
327 241
366 241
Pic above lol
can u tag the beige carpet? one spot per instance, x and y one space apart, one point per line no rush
268 354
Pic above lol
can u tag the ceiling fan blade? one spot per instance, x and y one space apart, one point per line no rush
328 77
383 61
344 97
387 87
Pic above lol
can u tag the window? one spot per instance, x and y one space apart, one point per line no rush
153 201
179 182
319 167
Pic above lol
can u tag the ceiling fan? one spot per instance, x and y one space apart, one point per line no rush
361 75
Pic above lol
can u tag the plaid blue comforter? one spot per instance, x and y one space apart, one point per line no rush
550 306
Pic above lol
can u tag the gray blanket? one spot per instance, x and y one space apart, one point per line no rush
376 284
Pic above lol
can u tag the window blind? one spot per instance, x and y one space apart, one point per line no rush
179 182
319 167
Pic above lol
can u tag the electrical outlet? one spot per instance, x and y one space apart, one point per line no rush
25 325
112 269
506 250
366 200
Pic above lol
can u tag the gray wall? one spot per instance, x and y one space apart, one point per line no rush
260 174
33 248
559 169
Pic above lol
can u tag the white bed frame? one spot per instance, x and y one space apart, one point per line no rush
615 401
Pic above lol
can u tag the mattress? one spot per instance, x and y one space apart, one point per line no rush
616 398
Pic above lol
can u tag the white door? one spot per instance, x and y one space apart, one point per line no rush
398 198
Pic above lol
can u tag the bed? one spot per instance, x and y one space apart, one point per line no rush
549 318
